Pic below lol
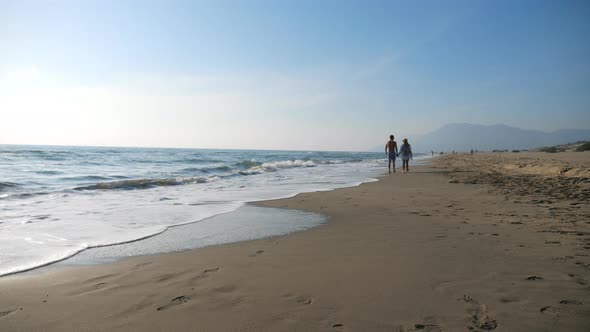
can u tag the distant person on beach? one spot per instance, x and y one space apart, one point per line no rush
405 152
391 152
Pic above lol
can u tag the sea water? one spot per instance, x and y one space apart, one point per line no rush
57 201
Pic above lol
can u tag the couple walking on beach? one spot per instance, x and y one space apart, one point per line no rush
405 152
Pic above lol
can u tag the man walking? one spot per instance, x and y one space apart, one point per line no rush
391 152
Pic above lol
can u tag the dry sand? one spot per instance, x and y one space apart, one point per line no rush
473 243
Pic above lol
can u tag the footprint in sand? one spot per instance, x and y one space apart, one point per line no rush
203 274
301 299
174 302
549 310
226 289
91 288
5 313
481 320
141 265
259 252
165 277
100 278
428 327
509 299
479 315
304 300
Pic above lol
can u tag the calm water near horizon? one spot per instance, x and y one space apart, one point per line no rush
57 201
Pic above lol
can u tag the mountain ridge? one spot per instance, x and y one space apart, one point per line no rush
467 136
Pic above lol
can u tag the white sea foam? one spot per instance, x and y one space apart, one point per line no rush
43 220
277 165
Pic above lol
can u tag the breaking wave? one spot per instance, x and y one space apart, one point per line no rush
277 165
248 163
255 168
145 183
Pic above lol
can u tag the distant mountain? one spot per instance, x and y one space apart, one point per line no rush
464 137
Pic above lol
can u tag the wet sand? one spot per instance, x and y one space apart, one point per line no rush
471 243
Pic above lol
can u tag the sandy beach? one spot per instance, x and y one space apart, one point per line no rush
468 243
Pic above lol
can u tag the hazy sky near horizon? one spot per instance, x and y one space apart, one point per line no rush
314 75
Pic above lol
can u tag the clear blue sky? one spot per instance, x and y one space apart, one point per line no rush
337 75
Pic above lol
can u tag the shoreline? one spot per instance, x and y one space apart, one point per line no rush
64 261
166 229
412 251
245 216
47 220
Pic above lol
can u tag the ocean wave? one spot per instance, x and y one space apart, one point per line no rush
85 178
92 163
331 162
206 169
196 161
7 185
151 183
216 169
290 164
23 195
146 183
48 172
191 169
53 157
248 163
277 165
130 184
30 151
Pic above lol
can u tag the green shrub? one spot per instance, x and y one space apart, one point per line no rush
549 149
583 147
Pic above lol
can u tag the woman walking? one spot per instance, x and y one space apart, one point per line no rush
405 152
